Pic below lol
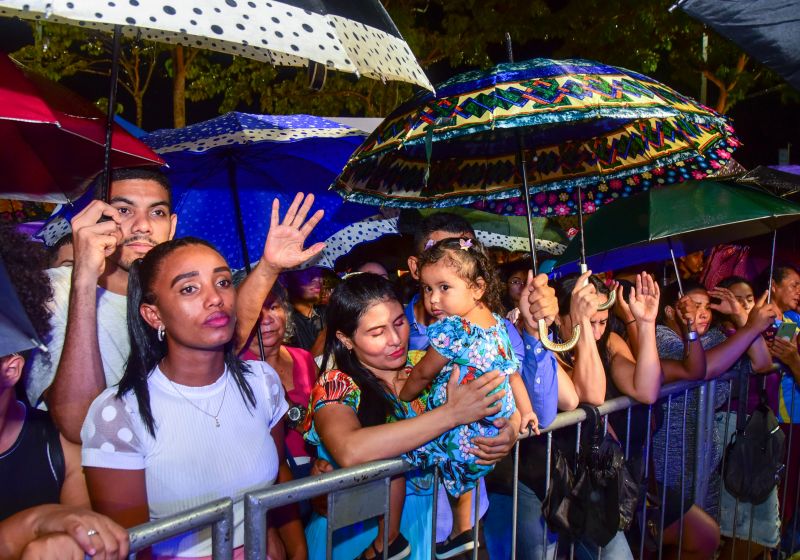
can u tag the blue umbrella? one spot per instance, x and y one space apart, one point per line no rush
226 171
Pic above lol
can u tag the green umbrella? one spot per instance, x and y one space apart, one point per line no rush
676 220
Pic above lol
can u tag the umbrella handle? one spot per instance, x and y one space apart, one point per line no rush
609 303
559 347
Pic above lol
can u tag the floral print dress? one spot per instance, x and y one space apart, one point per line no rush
477 351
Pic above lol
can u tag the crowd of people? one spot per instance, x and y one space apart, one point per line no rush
170 380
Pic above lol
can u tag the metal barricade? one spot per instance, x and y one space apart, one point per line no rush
359 493
218 514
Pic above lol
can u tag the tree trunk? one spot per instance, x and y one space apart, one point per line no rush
139 101
178 88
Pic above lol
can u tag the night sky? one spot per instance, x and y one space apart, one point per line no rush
763 123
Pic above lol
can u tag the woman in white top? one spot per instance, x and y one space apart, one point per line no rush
189 422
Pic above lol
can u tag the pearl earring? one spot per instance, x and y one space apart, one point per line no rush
160 333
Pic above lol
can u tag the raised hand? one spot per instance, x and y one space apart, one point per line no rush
686 313
284 245
93 242
621 308
763 314
728 305
643 299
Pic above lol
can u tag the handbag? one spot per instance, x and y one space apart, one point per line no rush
600 499
754 457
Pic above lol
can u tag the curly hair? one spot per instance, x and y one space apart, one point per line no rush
26 262
469 260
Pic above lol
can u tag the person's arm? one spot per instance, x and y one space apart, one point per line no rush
111 540
567 396
79 376
758 352
423 374
351 444
73 491
722 357
527 416
693 365
639 377
539 365
283 249
118 493
588 374
623 312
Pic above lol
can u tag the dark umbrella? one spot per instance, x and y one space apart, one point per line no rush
767 30
16 331
676 220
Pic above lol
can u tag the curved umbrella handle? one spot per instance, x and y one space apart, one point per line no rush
558 346
609 303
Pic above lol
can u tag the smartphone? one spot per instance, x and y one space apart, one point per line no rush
786 330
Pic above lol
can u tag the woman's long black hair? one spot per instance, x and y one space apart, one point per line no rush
348 303
146 350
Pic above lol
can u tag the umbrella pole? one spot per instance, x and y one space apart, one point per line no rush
583 266
543 331
677 272
771 266
232 183
105 184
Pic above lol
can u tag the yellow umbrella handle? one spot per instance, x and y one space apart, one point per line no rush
559 347
612 299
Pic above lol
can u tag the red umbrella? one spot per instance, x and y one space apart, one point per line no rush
52 140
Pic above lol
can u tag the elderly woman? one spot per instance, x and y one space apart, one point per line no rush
295 367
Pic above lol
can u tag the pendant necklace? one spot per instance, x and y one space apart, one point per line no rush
187 399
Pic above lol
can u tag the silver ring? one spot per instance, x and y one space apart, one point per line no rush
91 533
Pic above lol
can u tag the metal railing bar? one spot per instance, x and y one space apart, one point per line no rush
645 480
515 504
218 514
665 481
434 510
683 473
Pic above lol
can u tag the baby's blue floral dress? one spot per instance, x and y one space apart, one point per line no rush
476 351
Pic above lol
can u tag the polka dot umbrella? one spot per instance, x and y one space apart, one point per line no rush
355 37
226 171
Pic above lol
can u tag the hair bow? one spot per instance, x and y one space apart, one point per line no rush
466 244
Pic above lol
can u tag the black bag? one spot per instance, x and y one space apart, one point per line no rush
603 498
754 457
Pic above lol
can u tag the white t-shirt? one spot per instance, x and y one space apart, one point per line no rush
112 336
191 461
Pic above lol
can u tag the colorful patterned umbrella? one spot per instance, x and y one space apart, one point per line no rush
226 171
611 131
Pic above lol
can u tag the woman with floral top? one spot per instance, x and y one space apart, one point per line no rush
352 407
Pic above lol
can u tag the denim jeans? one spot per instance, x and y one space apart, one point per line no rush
532 532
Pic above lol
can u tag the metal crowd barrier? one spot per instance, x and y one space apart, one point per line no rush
359 493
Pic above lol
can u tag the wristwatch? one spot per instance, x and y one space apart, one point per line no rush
295 416
691 336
